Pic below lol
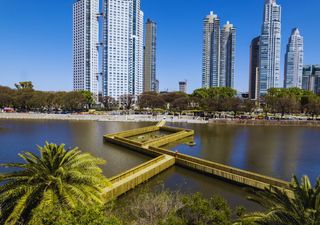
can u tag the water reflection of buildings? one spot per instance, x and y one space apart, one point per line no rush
216 142
88 136
290 151
273 151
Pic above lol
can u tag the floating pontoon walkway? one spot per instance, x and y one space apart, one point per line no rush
135 140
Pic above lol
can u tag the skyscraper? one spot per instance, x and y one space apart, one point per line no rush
294 61
254 69
149 72
227 55
218 54
157 86
85 46
122 57
211 51
311 78
270 47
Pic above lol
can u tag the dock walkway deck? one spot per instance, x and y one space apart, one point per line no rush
153 148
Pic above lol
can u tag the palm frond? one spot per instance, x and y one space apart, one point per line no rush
56 177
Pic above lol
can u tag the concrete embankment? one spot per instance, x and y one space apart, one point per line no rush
148 118
104 118
300 123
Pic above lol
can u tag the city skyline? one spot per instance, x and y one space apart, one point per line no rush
55 73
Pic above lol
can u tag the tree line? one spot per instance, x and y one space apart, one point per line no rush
24 98
223 99
204 100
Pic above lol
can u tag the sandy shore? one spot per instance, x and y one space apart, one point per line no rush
117 118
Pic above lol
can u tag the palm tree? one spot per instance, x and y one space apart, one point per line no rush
55 178
300 207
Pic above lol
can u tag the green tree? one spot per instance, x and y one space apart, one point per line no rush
127 101
150 100
88 215
6 98
22 99
109 103
180 104
234 104
170 97
281 100
24 85
313 106
212 99
88 97
249 105
197 210
55 178
74 101
302 207
149 207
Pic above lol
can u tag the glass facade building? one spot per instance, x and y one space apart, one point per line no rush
254 69
227 55
294 61
218 54
149 72
311 78
270 47
211 51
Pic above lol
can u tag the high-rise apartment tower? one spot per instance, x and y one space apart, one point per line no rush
149 72
254 69
122 57
85 46
218 54
227 55
294 61
211 51
270 47
311 78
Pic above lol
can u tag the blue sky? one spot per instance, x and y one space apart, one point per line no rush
36 38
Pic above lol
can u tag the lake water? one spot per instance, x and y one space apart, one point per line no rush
274 151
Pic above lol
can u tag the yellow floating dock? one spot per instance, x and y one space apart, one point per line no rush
166 158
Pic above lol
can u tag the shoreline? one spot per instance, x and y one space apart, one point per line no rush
148 118
279 123
100 118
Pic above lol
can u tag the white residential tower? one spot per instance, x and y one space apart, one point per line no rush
270 47
122 56
85 46
218 54
227 55
294 61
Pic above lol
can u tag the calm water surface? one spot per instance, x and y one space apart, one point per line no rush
274 151
278 152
